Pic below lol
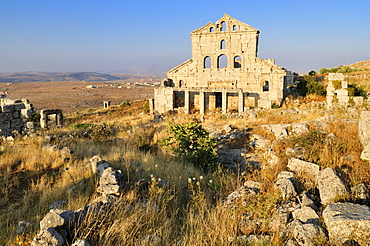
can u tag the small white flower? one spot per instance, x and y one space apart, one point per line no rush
189 180
230 239
198 183
210 181
194 179
201 177
151 175
159 179
156 166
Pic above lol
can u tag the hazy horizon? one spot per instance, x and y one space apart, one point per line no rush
151 37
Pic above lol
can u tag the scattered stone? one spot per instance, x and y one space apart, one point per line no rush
364 134
361 193
241 193
298 128
299 166
297 152
285 175
98 164
254 239
81 243
309 234
330 186
48 236
22 226
58 204
347 221
57 218
307 215
306 200
286 188
111 182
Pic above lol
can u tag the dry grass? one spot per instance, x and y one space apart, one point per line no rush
182 212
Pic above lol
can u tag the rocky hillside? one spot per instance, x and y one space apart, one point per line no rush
362 65
297 175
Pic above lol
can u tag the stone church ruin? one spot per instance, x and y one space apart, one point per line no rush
224 73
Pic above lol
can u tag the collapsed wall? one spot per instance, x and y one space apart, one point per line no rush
15 115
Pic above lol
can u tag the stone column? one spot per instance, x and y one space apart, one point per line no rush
224 102
187 102
241 102
202 100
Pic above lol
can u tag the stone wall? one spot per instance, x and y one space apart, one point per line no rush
15 115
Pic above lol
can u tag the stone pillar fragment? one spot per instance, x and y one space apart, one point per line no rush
187 102
241 102
201 102
224 102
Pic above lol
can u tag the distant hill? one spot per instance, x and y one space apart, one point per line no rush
80 76
361 65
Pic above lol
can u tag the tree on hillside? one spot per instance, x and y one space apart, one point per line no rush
312 73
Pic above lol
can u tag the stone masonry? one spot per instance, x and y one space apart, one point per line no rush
224 72
337 92
14 116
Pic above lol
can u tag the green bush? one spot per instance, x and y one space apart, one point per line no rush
337 84
192 144
125 103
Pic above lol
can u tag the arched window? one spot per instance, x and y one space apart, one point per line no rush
222 61
223 45
234 28
181 83
207 62
266 86
237 62
223 26
211 29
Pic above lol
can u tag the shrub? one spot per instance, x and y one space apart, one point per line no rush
146 108
337 84
192 143
125 103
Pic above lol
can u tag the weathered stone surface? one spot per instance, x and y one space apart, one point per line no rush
361 193
22 226
330 186
298 128
98 164
365 154
279 130
254 239
81 243
297 152
241 193
48 237
299 166
306 215
111 182
260 142
57 218
285 175
364 127
307 200
309 234
286 187
347 221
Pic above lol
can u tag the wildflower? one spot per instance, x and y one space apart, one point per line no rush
194 179
189 180
198 183
201 177
156 166
230 239
210 181
159 179
151 175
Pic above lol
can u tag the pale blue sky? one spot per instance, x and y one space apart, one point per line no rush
151 37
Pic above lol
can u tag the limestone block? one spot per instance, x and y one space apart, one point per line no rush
347 221
26 113
19 107
298 128
361 193
7 108
242 193
286 187
365 154
364 127
279 130
330 186
306 215
299 166
48 237
309 234
57 218
111 182
16 114
81 243
264 103
358 100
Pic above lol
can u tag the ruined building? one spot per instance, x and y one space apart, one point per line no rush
224 72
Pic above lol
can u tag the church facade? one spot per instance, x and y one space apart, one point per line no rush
224 73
